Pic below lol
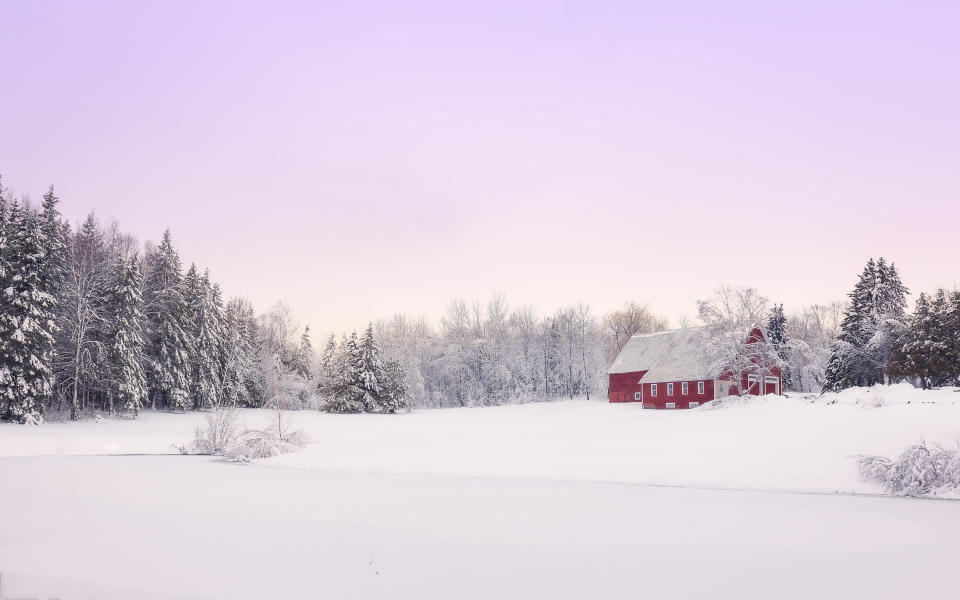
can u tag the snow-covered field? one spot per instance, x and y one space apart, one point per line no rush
544 500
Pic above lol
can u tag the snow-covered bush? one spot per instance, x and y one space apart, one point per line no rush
220 434
222 437
264 443
918 471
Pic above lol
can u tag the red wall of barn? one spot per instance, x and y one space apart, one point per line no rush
624 387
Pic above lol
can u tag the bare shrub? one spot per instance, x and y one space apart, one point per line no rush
220 434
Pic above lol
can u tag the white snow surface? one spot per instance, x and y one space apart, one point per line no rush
773 443
561 500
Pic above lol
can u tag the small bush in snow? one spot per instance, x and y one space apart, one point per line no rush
918 471
220 434
264 443
33 419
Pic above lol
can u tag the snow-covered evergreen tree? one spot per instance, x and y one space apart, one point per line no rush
777 336
367 372
345 396
54 239
203 323
5 273
26 321
871 325
126 343
242 385
393 388
303 356
928 349
170 345
329 371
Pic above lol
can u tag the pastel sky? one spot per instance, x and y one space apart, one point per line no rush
357 158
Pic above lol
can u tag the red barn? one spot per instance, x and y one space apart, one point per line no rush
670 369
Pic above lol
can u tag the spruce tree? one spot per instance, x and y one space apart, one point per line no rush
303 356
915 358
368 372
170 347
871 325
777 332
4 264
54 239
5 274
952 326
940 347
346 392
328 369
393 389
203 325
126 344
240 373
26 321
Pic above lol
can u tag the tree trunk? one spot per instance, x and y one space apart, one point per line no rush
74 413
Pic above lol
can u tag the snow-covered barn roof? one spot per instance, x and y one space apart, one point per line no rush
677 355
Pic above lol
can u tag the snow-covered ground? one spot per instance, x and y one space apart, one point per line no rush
773 443
560 500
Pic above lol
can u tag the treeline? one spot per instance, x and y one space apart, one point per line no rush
90 321
486 354
928 347
880 343
93 321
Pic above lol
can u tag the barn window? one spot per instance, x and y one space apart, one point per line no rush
669 389
671 405
653 389
636 396
700 387
684 388
694 404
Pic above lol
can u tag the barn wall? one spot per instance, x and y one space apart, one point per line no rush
623 387
678 398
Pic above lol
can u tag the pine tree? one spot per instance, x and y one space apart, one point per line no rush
914 358
203 325
871 325
241 376
328 369
4 264
393 396
26 322
346 392
777 334
170 347
303 357
5 273
368 372
54 240
952 327
126 345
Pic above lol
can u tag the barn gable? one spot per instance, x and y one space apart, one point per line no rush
677 355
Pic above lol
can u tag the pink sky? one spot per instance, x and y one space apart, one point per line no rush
357 159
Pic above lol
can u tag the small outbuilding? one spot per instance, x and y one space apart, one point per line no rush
671 369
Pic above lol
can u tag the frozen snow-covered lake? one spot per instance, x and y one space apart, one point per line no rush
192 527
561 500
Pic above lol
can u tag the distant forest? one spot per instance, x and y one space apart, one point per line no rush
93 321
